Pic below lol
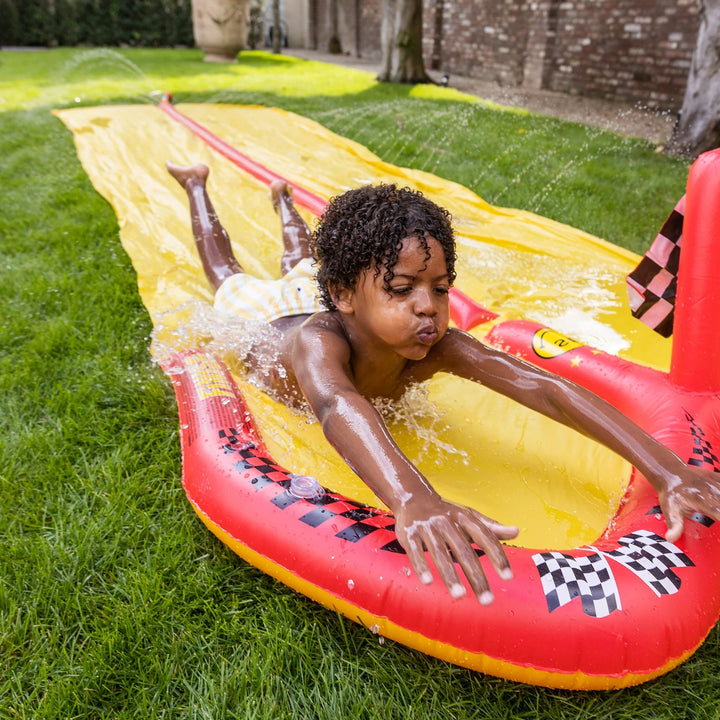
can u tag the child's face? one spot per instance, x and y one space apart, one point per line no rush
413 315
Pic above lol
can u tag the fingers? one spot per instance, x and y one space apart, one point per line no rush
502 532
448 542
415 550
439 549
485 533
674 531
674 521
697 491
415 542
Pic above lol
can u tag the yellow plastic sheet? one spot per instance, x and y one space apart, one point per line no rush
476 447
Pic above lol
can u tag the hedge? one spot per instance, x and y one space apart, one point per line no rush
148 23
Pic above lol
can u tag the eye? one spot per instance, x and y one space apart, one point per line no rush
442 290
403 290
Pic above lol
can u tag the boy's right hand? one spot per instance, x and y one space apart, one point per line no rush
441 527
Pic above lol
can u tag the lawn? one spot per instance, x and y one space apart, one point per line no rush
115 601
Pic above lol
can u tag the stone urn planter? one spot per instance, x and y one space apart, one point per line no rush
220 28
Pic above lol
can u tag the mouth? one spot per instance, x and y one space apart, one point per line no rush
428 334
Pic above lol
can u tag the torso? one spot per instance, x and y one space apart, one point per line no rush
375 382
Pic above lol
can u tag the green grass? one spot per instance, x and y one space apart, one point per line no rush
115 602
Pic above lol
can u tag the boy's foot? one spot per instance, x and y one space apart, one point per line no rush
279 191
184 173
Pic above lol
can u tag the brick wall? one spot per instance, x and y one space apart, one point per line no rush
479 38
631 50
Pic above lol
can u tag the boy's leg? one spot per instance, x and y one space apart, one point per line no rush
212 241
296 234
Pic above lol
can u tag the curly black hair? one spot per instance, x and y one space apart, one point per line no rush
364 228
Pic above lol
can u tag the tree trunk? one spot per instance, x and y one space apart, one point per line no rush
277 30
698 126
401 38
334 44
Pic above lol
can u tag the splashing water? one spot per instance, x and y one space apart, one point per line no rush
234 339
108 65
415 141
572 304
198 325
421 417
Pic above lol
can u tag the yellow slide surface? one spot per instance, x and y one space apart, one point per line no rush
474 446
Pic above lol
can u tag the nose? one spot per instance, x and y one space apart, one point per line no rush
425 302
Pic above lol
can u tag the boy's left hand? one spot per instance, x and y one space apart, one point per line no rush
691 490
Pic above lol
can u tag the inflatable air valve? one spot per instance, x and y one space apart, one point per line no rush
306 487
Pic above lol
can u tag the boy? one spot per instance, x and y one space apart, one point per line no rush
386 262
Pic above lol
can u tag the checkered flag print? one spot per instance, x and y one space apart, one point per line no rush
565 577
651 558
703 454
350 521
232 441
652 285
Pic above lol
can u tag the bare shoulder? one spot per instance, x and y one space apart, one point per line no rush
324 321
320 329
300 346
321 359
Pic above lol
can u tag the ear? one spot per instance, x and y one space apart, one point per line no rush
343 298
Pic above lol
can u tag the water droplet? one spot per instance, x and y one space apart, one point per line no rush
351 584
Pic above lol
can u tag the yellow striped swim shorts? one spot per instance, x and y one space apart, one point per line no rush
252 298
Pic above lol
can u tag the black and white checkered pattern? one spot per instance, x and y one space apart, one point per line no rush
232 441
647 555
703 453
651 558
565 577
351 521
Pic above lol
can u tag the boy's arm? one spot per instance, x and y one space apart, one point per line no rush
423 520
682 489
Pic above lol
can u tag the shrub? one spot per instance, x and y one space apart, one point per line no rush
96 22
